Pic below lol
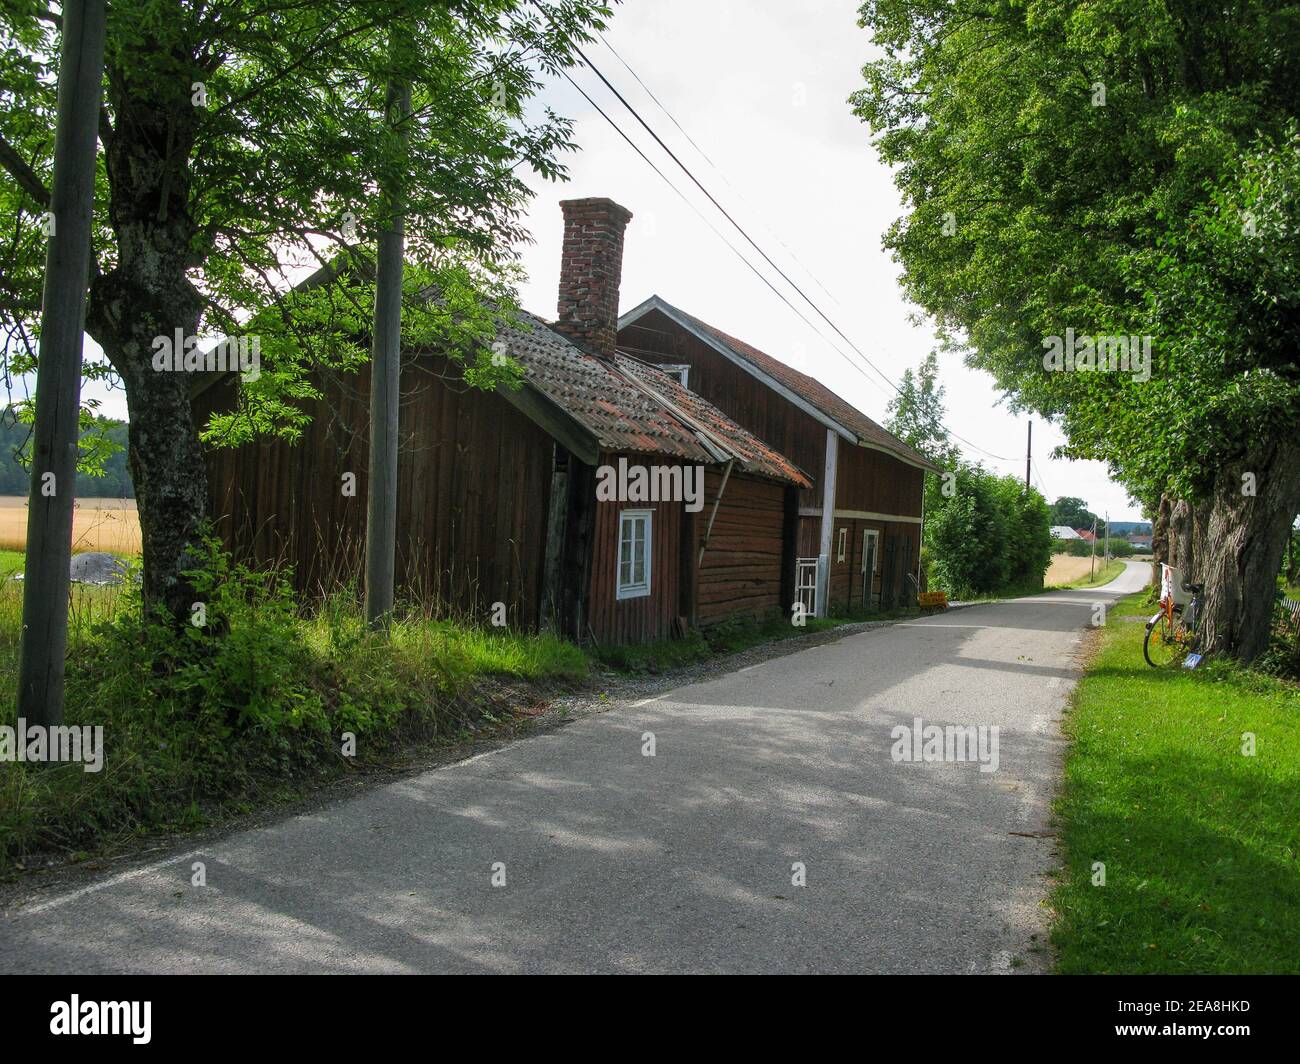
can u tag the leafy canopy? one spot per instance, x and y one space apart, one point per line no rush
277 135
1120 168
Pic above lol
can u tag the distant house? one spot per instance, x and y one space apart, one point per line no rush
1064 532
1086 535
1140 541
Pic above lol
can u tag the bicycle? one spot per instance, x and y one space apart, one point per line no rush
1171 633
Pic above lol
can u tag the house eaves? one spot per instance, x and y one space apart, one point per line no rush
671 312
851 425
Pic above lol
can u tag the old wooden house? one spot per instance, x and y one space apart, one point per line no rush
859 521
652 473
505 498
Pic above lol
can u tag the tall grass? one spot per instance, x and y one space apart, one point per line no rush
253 708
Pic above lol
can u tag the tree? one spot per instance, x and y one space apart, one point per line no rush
1072 512
989 535
242 141
916 413
1121 180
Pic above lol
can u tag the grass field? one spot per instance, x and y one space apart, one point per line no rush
97 524
1200 842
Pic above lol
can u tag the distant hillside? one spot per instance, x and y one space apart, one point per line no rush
15 456
1123 528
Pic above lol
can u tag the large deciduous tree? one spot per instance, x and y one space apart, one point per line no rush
1121 169
245 139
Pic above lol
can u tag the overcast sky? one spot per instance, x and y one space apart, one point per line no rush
761 86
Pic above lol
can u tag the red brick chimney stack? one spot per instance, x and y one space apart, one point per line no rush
591 265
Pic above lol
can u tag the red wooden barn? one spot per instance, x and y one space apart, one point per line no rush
862 535
503 496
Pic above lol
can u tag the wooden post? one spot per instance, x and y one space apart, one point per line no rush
58 374
385 373
828 524
1029 453
790 551
551 607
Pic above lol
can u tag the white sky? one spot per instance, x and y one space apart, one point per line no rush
762 87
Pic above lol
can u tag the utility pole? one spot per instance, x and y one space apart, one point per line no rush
58 373
1105 554
385 375
1029 453
1092 553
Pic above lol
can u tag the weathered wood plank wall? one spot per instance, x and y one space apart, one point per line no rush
473 487
741 571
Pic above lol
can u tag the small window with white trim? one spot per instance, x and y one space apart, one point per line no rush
634 553
681 372
844 538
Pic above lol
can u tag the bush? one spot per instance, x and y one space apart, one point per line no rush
990 536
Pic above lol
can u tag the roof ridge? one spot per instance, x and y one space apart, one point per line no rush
829 403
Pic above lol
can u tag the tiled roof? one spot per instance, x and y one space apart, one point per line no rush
812 391
607 400
752 454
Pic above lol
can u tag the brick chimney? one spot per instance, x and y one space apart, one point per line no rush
591 265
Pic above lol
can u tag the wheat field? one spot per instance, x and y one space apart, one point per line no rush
97 524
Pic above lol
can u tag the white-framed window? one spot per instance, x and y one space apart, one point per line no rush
843 541
680 370
634 539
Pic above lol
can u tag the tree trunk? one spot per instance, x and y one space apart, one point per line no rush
166 459
1243 541
1293 556
1180 537
146 296
1160 538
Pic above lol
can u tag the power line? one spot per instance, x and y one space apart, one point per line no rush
739 228
1042 482
716 168
717 232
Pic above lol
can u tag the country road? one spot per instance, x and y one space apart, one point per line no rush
614 861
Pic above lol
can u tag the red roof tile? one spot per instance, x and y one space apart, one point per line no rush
628 406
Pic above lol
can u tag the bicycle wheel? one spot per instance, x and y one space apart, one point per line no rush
1163 644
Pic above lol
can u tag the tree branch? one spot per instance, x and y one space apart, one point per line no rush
28 179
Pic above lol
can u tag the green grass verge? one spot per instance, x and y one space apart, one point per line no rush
1201 844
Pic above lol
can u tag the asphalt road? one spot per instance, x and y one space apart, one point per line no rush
683 861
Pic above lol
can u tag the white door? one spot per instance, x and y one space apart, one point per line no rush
870 541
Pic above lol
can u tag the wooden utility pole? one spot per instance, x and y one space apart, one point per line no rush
385 374
58 374
1029 453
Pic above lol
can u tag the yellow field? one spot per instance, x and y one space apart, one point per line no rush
1066 569
97 524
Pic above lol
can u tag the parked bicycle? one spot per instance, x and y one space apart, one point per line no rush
1172 633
